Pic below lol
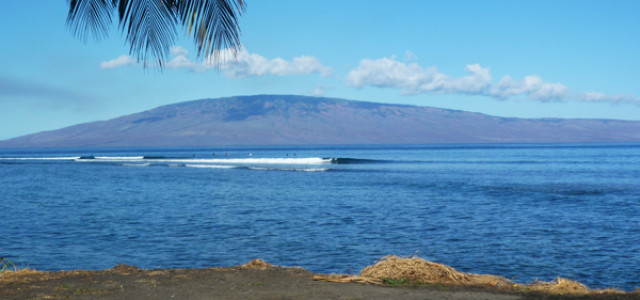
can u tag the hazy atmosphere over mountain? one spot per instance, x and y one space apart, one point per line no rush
296 120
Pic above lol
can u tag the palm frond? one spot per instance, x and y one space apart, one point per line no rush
90 17
150 25
213 24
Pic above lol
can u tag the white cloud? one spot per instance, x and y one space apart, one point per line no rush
248 64
237 65
406 75
410 57
388 72
533 86
180 59
411 78
600 97
177 50
477 81
506 88
244 64
320 90
122 60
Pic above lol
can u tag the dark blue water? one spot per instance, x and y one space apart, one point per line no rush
520 211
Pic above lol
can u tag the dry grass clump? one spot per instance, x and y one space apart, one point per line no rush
9 274
30 275
22 275
559 286
346 278
566 286
419 270
414 270
125 268
257 264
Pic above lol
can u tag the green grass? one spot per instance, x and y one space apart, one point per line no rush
393 282
5 264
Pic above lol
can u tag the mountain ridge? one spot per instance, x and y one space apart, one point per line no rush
303 120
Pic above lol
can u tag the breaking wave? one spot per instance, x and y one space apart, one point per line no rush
347 161
298 164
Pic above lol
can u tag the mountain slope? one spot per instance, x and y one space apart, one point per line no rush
295 120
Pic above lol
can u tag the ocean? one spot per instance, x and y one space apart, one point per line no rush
523 211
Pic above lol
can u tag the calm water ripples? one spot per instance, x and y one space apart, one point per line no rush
520 211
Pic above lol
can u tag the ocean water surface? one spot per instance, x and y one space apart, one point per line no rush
516 210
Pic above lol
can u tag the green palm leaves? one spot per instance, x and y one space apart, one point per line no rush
150 25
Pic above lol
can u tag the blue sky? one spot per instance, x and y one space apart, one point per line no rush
532 59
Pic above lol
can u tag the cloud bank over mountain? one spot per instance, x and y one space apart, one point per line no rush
236 65
407 76
412 79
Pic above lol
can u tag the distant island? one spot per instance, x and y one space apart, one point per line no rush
301 120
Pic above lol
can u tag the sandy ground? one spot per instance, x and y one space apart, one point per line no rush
126 282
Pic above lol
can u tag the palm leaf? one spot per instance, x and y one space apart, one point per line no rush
215 23
90 17
150 25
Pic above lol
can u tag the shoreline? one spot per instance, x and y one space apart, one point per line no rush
260 280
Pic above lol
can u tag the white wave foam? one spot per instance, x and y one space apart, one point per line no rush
316 170
137 165
119 157
258 161
209 166
290 169
193 162
40 158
